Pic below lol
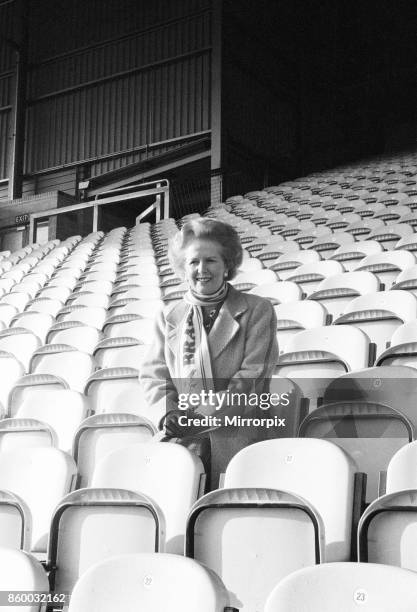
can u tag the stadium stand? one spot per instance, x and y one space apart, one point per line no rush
76 320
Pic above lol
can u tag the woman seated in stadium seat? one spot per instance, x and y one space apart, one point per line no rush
214 352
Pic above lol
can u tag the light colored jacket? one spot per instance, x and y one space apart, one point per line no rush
242 343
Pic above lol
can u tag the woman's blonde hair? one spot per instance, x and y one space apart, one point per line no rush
208 229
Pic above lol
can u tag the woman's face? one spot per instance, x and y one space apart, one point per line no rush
205 269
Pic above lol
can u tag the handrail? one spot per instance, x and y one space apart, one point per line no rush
135 187
161 191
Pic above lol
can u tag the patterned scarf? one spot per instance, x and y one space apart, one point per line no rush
193 360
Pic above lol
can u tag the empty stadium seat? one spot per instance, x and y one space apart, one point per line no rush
80 336
169 474
168 582
279 292
314 356
379 314
386 265
120 352
337 291
64 362
101 434
90 525
345 586
252 537
41 477
387 530
23 577
370 433
293 317
308 276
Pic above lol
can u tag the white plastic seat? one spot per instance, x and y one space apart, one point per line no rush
87 298
38 323
407 280
311 469
244 281
64 362
142 280
314 355
403 347
59 293
98 274
335 292
99 286
90 525
22 575
401 472
350 254
89 315
380 314
169 582
138 293
293 317
369 432
19 300
286 263
11 369
327 245
41 477
117 389
278 292
15 522
45 305
21 343
101 434
387 265
131 325
389 235
61 409
277 248
408 243
251 537
388 528
120 352
147 309
25 433
169 474
345 587
80 336
308 276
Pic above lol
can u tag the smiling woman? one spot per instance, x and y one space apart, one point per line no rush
205 269
217 342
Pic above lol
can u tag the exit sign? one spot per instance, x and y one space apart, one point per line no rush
21 219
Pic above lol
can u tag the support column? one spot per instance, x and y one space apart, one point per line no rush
216 104
18 116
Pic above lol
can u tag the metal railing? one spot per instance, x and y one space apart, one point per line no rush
121 195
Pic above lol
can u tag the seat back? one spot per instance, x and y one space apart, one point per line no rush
119 390
253 537
401 472
167 473
41 477
316 470
167 582
61 409
345 586
65 362
22 573
90 525
370 433
102 434
387 531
